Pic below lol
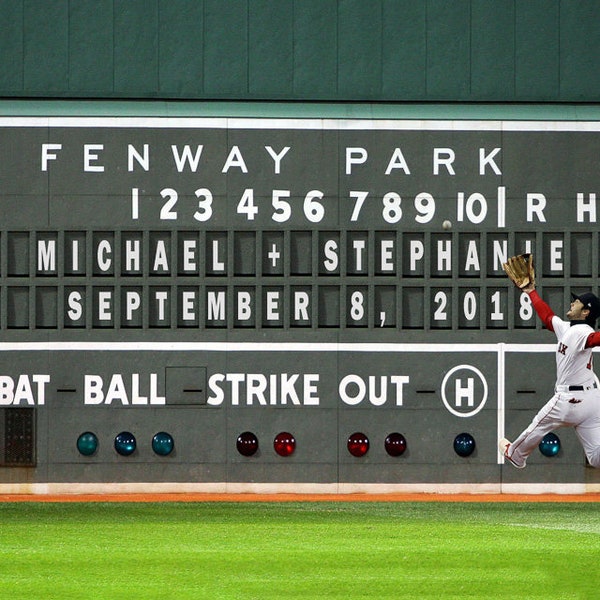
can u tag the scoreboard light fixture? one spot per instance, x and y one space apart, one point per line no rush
358 444
87 443
125 443
464 444
247 444
284 444
550 445
395 444
163 443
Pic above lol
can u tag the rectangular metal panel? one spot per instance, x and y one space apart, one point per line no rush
11 46
135 47
45 46
91 50
537 49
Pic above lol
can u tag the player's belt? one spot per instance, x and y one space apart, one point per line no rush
575 388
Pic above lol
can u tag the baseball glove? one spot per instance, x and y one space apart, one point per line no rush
520 270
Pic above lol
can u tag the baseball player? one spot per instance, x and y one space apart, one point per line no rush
576 399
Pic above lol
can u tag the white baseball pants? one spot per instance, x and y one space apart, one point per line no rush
580 410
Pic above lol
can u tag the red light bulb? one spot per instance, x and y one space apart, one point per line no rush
284 443
358 444
395 444
247 443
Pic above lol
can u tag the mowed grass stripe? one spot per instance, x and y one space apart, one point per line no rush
299 550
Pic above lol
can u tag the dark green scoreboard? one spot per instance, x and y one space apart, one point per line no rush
235 303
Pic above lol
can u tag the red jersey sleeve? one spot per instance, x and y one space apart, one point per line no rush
593 340
543 311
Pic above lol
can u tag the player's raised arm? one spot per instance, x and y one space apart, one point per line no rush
521 272
544 312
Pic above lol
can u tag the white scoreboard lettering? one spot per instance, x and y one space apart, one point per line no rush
299 225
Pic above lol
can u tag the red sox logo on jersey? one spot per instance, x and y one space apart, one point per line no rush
562 348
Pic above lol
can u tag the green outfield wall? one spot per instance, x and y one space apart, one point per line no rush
303 50
257 246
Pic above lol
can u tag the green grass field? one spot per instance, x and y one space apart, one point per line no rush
299 550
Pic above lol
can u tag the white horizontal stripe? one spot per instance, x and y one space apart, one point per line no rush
267 347
300 123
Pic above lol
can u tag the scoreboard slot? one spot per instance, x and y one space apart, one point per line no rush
244 253
186 385
301 252
329 306
17 252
